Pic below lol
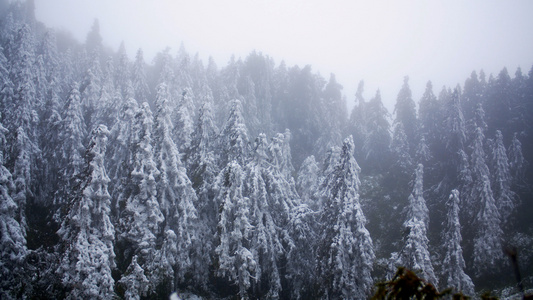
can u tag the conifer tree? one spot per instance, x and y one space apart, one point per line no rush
453 263
430 117
403 162
357 120
177 198
202 170
415 253
72 132
87 232
139 79
377 142
345 254
487 218
506 199
266 240
233 139
233 256
13 248
20 106
90 89
517 162
140 212
307 179
405 110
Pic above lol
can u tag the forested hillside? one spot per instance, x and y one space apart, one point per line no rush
121 177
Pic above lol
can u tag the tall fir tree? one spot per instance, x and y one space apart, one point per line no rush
405 110
484 210
233 257
454 263
415 252
177 198
87 232
346 252
13 249
141 217
506 199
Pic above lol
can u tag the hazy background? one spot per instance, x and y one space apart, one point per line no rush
378 41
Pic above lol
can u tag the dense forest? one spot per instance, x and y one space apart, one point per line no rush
122 178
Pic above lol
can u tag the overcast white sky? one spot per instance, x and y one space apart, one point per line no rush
377 41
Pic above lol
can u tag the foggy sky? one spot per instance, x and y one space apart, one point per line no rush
378 41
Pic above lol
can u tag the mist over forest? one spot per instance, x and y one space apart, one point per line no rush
122 178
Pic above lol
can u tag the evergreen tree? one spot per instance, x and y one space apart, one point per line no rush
430 118
141 217
301 258
357 122
487 218
233 139
119 153
400 149
72 132
376 145
87 232
506 199
453 262
345 254
90 89
415 253
517 162
233 256
122 74
307 180
266 241
139 79
13 248
177 198
20 106
202 170
405 110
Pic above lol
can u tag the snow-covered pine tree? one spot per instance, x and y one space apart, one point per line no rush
415 253
139 79
234 259
122 74
87 232
20 111
22 174
90 89
429 115
417 204
405 110
202 170
13 249
301 268
517 162
184 124
376 151
403 163
72 133
266 242
423 153
482 206
345 255
177 198
140 214
233 139
453 263
119 152
307 180
357 122
506 199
